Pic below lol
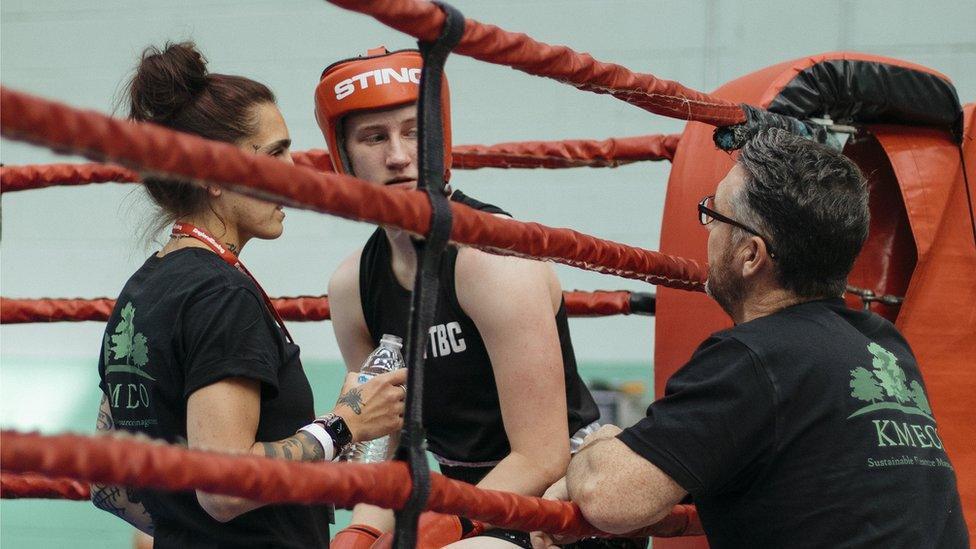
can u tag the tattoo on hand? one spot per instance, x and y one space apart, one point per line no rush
353 399
301 447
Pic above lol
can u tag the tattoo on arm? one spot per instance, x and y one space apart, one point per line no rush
104 421
353 399
300 447
117 499
104 497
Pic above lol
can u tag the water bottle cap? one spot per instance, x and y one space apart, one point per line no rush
392 340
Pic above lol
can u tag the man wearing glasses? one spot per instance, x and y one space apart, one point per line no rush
807 423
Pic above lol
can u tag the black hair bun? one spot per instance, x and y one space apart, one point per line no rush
166 81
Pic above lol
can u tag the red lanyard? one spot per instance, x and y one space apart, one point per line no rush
185 229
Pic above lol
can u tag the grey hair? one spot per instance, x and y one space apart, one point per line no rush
811 203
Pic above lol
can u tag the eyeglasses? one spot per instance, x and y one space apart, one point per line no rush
706 215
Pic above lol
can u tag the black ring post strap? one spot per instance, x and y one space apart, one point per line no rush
430 156
730 138
643 303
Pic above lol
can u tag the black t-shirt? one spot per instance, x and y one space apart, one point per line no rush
183 322
809 427
462 414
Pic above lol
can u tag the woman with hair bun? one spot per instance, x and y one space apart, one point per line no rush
194 352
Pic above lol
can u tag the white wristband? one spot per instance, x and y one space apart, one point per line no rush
321 435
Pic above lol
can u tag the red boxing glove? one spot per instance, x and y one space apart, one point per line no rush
681 521
435 530
355 536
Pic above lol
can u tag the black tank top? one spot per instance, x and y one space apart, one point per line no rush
462 415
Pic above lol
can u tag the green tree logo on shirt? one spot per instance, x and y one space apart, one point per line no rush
129 345
883 387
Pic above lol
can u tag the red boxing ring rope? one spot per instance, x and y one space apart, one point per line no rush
158 149
572 153
569 153
39 176
489 43
301 309
30 485
25 311
127 462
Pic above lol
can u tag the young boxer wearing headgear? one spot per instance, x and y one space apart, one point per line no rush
380 80
483 345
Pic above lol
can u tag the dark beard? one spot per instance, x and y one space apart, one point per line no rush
724 286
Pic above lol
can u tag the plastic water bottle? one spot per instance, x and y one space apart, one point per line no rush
385 358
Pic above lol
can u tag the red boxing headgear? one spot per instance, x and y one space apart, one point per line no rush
381 80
